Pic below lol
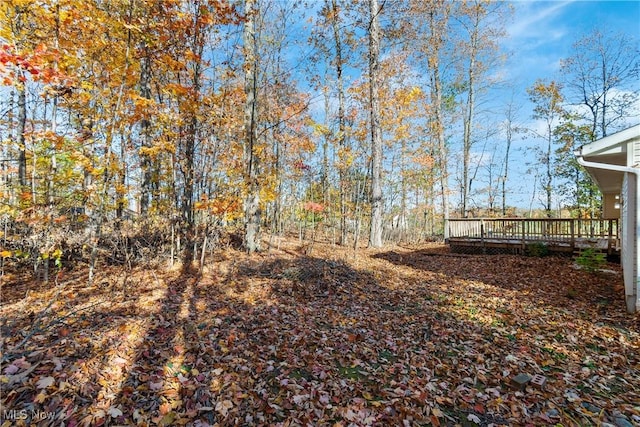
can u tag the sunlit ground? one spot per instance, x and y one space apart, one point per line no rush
400 335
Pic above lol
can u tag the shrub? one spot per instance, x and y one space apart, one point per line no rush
537 249
591 260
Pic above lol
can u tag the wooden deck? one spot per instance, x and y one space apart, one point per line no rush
514 235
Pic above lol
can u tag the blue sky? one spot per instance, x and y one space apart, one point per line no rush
541 34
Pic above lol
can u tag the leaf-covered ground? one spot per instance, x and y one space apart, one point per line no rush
399 336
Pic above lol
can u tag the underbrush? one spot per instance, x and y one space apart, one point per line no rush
368 337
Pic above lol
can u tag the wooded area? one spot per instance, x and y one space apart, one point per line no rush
224 213
161 125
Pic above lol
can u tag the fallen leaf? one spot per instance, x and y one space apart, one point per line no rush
164 408
45 382
155 386
474 418
114 412
223 407
168 419
11 369
120 361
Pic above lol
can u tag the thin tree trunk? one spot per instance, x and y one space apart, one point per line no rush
190 147
342 138
605 80
476 13
88 152
437 119
506 162
279 154
22 122
187 195
54 163
277 226
549 178
403 224
252 199
122 172
186 206
325 154
468 125
443 153
4 176
145 124
375 235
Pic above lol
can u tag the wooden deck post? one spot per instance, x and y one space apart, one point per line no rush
572 227
524 236
579 228
610 237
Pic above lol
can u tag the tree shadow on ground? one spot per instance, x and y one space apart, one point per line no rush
267 335
236 343
547 281
267 339
166 358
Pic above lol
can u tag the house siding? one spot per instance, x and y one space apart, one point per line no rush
614 164
629 240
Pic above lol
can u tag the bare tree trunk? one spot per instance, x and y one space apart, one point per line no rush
187 195
121 204
252 199
54 163
548 185
325 154
279 145
436 28
277 226
468 126
145 124
4 176
342 138
88 152
505 175
403 223
22 122
375 235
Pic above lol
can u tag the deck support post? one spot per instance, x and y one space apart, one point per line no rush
610 237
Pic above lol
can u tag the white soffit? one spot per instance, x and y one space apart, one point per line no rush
612 146
610 150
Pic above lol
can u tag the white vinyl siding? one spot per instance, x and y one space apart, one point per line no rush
635 154
629 240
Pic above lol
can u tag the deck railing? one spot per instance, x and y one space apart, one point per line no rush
548 230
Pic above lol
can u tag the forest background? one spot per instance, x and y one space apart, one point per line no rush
137 126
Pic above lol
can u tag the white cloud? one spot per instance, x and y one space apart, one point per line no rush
534 20
537 40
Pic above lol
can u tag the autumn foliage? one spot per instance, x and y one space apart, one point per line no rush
139 140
